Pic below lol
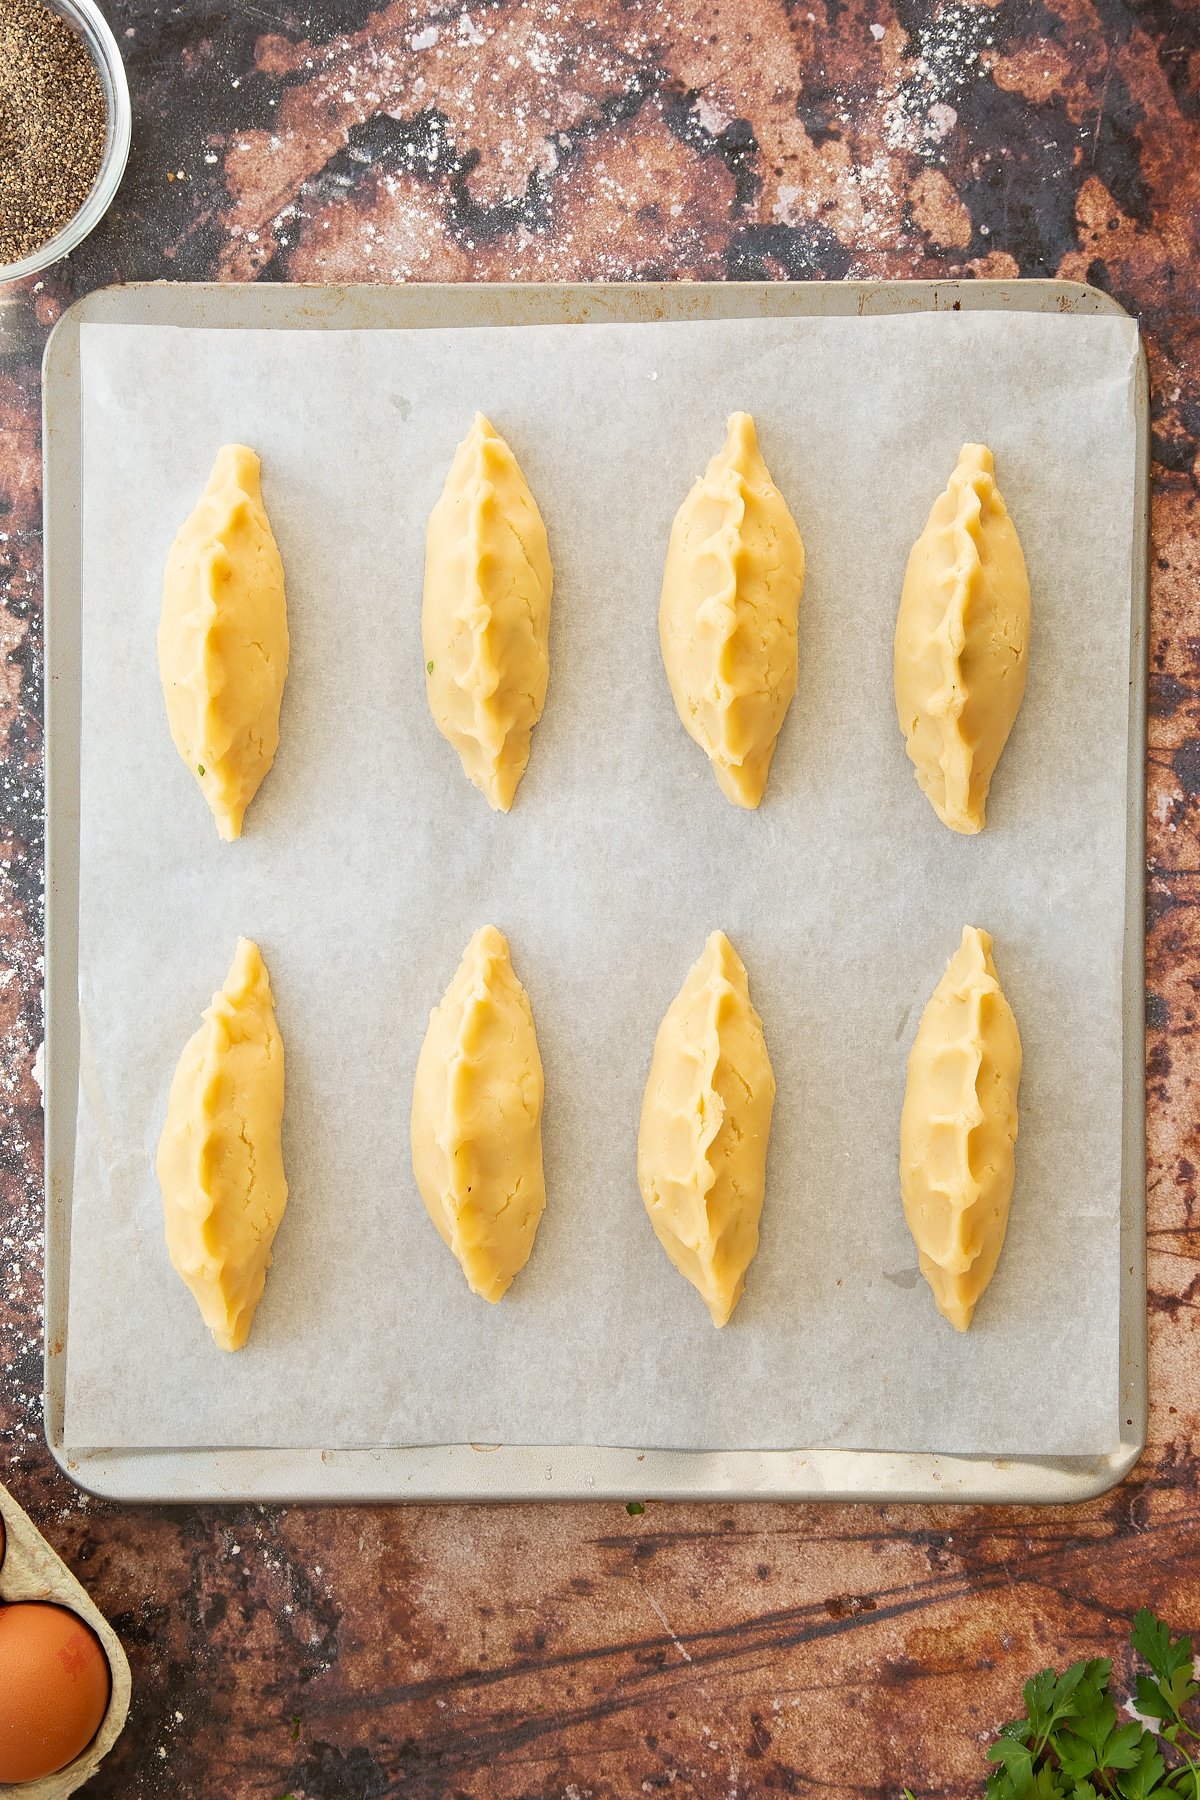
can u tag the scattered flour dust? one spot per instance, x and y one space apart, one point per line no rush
537 54
917 111
22 1237
22 1234
711 117
537 62
951 56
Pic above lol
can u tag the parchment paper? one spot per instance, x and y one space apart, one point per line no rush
368 861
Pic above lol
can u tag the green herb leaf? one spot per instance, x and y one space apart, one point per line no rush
295 1726
634 1508
1152 1703
1018 1767
1171 1660
1052 1700
1097 1742
1040 1694
200 771
1124 1746
429 668
1076 1755
1073 1745
1142 1780
1153 1642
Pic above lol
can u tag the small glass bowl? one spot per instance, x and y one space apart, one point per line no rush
94 29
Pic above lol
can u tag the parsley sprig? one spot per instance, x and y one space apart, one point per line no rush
1071 1745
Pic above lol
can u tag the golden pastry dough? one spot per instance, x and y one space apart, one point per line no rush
477 1118
962 642
958 1129
706 1118
485 621
223 639
727 618
220 1161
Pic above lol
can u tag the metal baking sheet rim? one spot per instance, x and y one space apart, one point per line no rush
465 1472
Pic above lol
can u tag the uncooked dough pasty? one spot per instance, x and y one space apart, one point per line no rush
958 1129
727 618
706 1118
220 1161
962 642
223 639
485 621
477 1118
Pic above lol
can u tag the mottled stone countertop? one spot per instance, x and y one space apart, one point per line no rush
580 1651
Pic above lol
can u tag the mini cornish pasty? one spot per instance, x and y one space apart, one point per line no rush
958 1129
728 615
223 639
962 642
706 1118
220 1159
485 621
477 1118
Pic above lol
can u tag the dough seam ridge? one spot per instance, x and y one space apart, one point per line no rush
949 703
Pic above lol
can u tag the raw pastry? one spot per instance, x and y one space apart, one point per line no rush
477 1118
728 614
706 1118
485 622
223 639
958 1129
962 642
220 1162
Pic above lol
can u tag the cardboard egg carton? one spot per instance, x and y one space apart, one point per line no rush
31 1570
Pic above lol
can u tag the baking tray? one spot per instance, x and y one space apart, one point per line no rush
510 1472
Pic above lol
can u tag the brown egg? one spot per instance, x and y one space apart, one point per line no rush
54 1688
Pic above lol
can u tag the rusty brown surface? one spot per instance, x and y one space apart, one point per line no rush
558 1651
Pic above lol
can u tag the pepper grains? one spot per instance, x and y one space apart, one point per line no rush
53 126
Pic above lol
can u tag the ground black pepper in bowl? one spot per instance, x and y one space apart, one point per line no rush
53 125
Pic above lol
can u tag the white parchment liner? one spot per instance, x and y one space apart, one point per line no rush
368 861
